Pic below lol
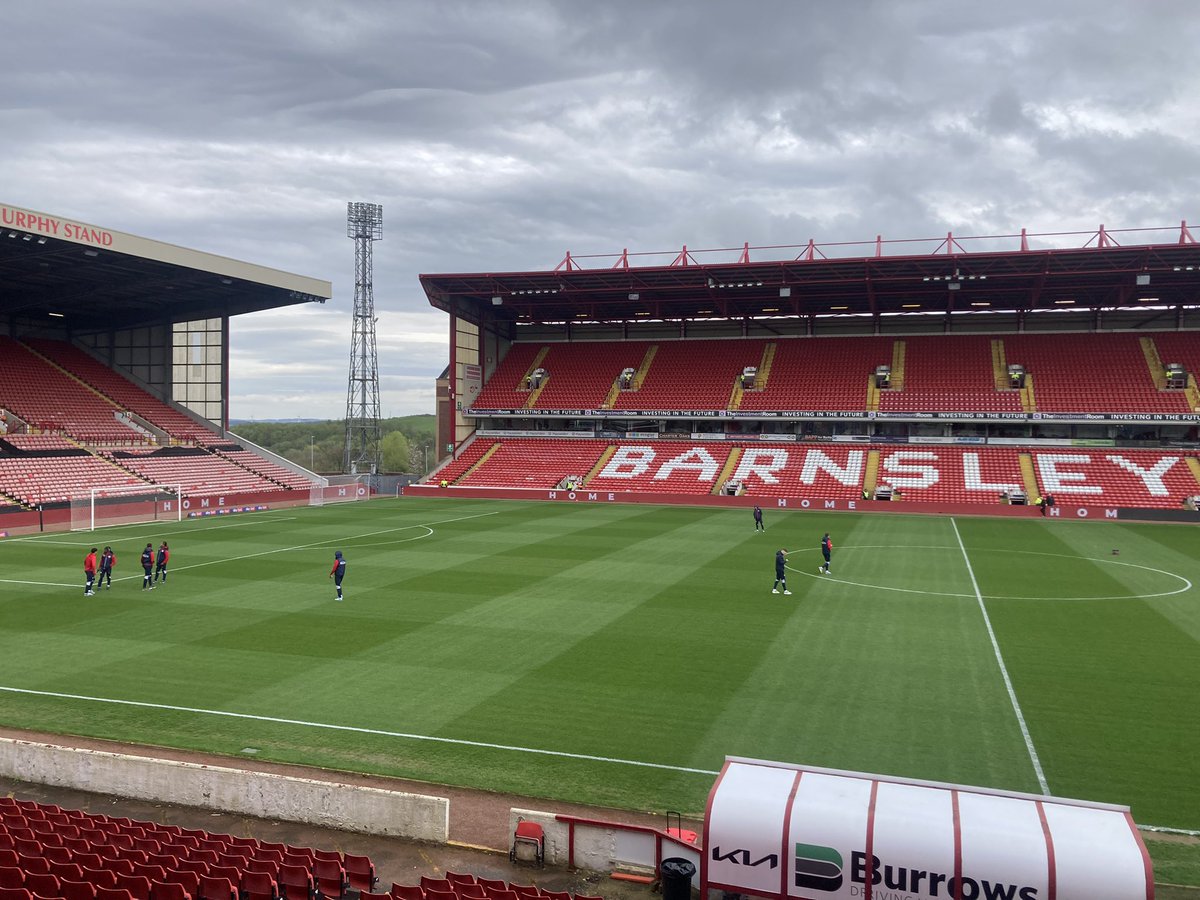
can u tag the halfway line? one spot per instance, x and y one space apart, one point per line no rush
1012 694
357 730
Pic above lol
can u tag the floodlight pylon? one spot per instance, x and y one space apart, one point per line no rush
364 224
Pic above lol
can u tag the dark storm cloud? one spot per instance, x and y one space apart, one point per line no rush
500 136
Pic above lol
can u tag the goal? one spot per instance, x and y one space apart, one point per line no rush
126 505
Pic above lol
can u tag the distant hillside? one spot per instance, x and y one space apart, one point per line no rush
320 444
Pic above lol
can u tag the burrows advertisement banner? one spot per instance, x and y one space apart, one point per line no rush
804 832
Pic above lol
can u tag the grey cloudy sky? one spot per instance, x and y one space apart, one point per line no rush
499 135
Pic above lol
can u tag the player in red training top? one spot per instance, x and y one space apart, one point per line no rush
160 562
826 551
89 572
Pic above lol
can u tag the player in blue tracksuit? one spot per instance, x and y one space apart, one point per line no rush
827 552
780 572
148 568
108 559
160 562
338 572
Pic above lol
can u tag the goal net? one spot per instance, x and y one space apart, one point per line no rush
126 505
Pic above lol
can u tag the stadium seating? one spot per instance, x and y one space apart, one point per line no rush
950 373
1090 373
939 473
195 470
50 400
128 860
120 390
697 375
820 374
536 462
56 479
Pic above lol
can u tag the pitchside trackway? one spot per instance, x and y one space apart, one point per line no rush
615 654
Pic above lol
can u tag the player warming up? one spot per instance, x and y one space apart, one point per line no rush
758 523
148 568
780 572
160 562
826 551
338 572
89 572
108 559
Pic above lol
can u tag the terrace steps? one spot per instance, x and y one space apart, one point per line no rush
898 348
1028 401
600 463
871 473
1154 362
1192 393
528 373
488 454
735 394
1029 477
1193 465
613 393
644 369
727 470
1000 365
872 395
532 399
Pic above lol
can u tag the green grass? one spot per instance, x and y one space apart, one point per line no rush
612 635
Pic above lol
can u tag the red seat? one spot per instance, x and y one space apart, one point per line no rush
78 890
528 837
214 888
407 892
360 872
330 878
296 883
259 886
12 877
15 893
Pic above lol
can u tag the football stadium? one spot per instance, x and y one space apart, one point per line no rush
610 606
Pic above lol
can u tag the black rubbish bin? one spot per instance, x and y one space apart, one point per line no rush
677 873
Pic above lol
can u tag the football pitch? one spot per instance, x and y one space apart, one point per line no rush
614 655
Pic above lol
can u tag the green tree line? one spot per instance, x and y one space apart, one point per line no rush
408 444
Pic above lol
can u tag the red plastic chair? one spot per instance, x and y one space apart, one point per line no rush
213 888
360 872
46 885
436 884
103 893
296 883
12 877
407 892
137 885
330 878
460 878
259 886
529 836
168 890
15 893
77 890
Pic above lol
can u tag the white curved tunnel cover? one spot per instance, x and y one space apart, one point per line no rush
788 831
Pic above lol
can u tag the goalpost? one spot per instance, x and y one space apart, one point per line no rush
126 505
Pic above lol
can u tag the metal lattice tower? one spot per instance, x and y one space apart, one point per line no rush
364 223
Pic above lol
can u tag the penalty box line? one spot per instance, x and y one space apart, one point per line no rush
1012 694
358 730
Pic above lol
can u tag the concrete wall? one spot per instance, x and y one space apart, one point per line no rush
327 804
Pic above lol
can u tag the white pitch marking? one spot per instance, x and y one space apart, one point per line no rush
1012 694
38 539
1187 585
357 730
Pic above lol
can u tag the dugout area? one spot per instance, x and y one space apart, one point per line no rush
787 831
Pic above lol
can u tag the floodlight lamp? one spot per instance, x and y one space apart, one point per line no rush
29 237
785 292
635 296
497 300
1142 280
41 240
954 285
